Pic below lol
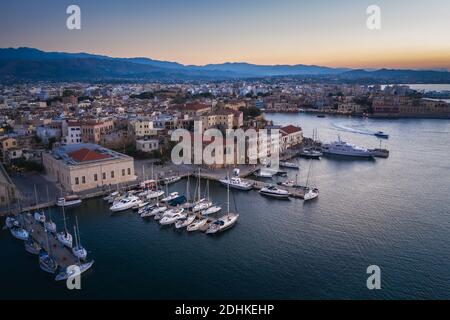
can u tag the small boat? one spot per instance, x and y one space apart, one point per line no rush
65 238
177 201
78 251
170 180
69 201
111 196
12 223
223 223
20 233
185 222
274 192
126 204
72 272
141 206
170 197
47 263
172 216
265 173
211 210
197 225
157 210
50 226
380 153
311 154
289 165
32 246
381 134
155 194
321 116
312 193
237 183
146 208
39 217
288 183
202 205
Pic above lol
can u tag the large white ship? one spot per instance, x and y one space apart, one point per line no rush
342 148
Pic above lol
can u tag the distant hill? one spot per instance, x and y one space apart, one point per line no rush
29 64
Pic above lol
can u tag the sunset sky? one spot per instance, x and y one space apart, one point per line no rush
414 34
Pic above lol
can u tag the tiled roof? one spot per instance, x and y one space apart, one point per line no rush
290 129
85 155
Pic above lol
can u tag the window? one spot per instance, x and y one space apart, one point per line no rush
77 181
129 171
83 179
104 175
95 177
112 174
123 172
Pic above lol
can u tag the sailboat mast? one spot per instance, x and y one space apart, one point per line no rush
76 236
199 185
78 231
228 195
64 218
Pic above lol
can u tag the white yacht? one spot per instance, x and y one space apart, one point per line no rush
170 180
170 197
211 210
39 216
111 196
69 201
311 194
155 194
265 173
202 205
185 222
341 148
47 263
126 204
172 216
197 225
272 191
157 210
20 233
236 183
79 251
65 238
223 223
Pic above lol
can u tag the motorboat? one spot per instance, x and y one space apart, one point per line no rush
236 183
202 205
311 154
73 271
111 196
341 148
289 165
211 210
146 208
141 206
126 204
223 223
312 193
185 222
274 192
65 238
381 134
47 263
32 246
69 201
170 197
39 216
287 183
12 223
197 225
155 194
157 210
20 233
265 173
170 180
172 216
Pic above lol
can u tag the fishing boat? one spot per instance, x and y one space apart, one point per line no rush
197 224
185 222
32 246
289 165
225 222
126 204
170 197
65 237
72 272
20 233
47 263
69 201
381 134
78 251
172 216
274 192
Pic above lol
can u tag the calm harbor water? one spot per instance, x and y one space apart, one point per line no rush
393 212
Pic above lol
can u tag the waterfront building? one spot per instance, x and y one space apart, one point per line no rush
83 167
291 137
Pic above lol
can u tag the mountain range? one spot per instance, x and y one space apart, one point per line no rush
29 64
